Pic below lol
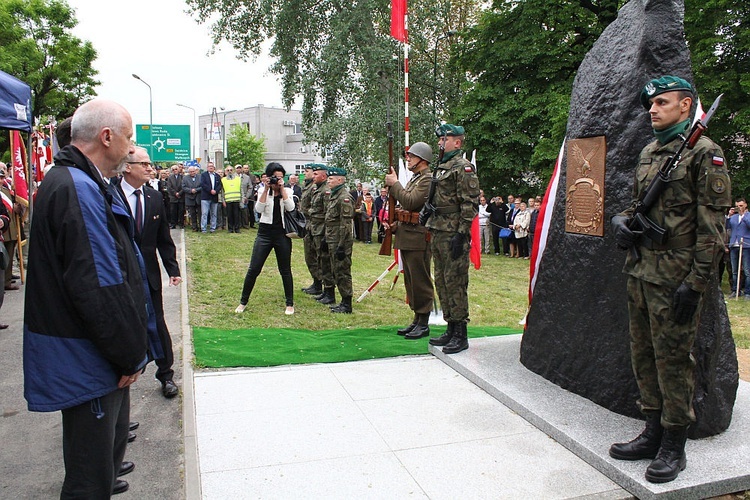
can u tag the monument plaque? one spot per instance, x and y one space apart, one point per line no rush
584 203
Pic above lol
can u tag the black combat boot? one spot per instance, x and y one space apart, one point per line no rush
671 458
407 329
328 296
646 445
422 329
446 337
315 289
459 342
344 307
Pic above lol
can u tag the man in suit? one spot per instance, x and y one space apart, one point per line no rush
176 199
191 191
210 189
357 197
152 234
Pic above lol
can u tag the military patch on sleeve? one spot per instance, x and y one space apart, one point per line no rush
717 160
468 168
718 185
346 200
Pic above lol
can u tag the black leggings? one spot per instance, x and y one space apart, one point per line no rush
270 236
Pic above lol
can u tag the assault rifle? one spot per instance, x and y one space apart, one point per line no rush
385 247
640 224
429 208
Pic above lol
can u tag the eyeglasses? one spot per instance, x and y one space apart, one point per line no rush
144 164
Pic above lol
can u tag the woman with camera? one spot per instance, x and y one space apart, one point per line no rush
273 200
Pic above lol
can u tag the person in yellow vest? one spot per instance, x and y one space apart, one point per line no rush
232 184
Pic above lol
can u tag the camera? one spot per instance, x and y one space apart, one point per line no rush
273 180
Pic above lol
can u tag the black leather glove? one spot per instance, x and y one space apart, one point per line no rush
624 237
324 245
685 303
426 213
457 245
340 253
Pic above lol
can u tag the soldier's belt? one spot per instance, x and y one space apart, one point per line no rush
448 210
683 241
407 217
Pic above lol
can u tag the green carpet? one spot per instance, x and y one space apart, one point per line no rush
216 348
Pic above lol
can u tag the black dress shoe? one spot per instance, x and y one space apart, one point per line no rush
133 426
418 332
131 437
3 326
125 468
120 487
169 389
15 277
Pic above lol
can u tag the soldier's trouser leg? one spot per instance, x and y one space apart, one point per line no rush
342 269
452 277
324 262
311 257
660 353
417 280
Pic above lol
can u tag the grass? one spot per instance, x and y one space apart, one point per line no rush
217 264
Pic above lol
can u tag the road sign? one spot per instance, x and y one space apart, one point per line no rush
164 142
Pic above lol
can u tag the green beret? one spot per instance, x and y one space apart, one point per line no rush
661 85
318 166
336 171
309 166
449 130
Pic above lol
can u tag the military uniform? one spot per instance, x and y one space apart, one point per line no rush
311 251
338 234
413 241
316 223
666 280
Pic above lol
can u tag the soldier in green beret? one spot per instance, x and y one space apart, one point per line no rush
456 202
317 231
338 235
666 285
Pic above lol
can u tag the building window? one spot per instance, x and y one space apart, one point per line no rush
297 128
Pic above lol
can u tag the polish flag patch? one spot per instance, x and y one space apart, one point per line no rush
468 168
717 160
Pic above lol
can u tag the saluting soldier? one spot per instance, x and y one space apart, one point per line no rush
311 251
666 285
456 202
317 226
339 220
412 239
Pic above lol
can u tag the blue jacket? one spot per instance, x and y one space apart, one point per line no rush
86 314
206 187
739 230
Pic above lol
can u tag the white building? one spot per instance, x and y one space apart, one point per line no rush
281 129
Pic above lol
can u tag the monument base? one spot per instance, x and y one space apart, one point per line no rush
715 466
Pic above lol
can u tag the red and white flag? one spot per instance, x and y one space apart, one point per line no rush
543 223
20 184
398 16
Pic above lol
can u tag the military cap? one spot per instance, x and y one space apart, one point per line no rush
449 130
318 166
661 85
336 171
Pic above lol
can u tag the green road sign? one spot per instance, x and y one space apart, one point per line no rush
164 142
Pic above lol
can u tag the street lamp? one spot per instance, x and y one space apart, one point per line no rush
150 118
447 34
196 128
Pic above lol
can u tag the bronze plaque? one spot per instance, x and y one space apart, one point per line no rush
584 201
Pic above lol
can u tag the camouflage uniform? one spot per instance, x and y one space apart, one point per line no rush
316 221
338 233
456 201
691 209
311 251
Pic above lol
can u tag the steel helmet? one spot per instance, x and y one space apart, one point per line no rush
421 149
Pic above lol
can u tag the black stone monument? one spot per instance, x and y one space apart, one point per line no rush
577 327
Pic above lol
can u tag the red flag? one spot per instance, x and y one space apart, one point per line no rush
20 185
398 15
475 254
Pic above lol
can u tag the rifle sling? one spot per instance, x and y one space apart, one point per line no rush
682 241
447 210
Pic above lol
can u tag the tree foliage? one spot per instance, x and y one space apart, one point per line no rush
36 46
246 149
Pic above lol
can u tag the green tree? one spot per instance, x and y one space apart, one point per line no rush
37 47
246 149
718 34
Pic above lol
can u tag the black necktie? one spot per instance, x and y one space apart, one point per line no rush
138 211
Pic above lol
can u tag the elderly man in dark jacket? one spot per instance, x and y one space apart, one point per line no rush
85 324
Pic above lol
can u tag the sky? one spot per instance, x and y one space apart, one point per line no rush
158 41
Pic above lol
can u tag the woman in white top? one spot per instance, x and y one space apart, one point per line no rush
521 230
484 226
273 200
